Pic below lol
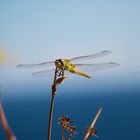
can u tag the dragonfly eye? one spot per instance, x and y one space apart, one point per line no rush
59 63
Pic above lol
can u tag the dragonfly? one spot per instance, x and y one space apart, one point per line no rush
70 65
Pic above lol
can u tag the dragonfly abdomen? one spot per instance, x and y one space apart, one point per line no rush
72 68
77 71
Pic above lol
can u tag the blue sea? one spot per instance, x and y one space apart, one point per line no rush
119 120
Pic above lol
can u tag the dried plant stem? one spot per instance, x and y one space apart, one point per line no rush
5 125
93 123
63 138
50 117
52 105
58 79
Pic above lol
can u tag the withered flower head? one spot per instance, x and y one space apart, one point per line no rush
60 80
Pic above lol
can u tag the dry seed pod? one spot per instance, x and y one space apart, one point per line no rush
60 80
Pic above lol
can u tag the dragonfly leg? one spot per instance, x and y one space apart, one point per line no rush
62 73
58 72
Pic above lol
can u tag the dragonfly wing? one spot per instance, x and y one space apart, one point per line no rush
45 73
86 57
38 65
96 67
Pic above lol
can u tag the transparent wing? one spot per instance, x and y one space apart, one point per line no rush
38 65
45 73
48 73
86 57
85 67
96 67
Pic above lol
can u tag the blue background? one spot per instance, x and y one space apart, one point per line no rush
37 31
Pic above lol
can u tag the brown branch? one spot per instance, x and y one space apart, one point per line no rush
50 117
91 130
63 137
5 125
58 79
52 106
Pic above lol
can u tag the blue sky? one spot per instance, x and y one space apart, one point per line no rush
36 31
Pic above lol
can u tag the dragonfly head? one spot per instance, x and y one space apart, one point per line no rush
59 63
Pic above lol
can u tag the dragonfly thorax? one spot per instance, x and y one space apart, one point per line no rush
59 63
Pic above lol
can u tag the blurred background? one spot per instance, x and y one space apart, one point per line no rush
38 31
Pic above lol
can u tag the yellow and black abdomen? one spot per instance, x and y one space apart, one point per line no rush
72 68
77 71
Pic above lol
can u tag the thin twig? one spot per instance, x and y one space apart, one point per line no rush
50 117
52 106
88 133
63 137
58 79
5 125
